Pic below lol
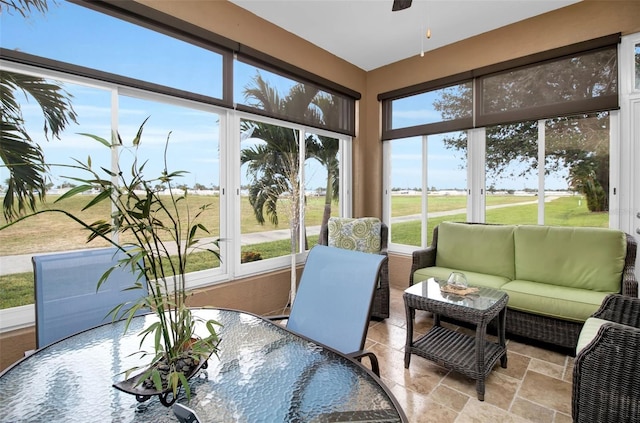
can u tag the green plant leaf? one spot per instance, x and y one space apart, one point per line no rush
185 384
157 380
74 191
136 140
104 195
97 138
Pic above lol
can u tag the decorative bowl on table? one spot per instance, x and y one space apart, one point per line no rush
457 280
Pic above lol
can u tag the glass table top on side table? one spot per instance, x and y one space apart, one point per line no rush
472 356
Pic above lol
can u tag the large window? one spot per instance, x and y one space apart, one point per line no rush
577 170
290 186
182 138
183 86
540 150
570 189
260 90
112 45
419 203
271 190
584 81
430 108
405 113
51 232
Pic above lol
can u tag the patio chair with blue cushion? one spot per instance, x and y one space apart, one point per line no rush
333 301
606 382
67 300
366 234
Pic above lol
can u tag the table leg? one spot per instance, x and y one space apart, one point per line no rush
411 313
502 326
481 333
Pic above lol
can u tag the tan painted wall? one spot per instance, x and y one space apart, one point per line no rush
583 21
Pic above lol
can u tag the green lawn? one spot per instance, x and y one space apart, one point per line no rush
17 289
55 232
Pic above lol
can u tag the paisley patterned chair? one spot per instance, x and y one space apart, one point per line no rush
366 234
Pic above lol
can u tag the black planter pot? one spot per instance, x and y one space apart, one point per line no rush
144 391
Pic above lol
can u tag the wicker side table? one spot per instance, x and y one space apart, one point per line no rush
472 356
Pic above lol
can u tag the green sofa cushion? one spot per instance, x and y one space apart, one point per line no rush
589 331
587 258
487 249
474 279
360 234
561 302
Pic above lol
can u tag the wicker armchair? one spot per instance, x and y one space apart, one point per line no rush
380 306
606 381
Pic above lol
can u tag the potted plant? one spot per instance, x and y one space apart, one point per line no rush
157 233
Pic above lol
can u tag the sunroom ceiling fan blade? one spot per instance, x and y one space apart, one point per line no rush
400 5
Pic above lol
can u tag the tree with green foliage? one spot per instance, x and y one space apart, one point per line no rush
274 166
21 154
577 143
325 150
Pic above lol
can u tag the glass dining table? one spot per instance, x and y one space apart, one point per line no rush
262 373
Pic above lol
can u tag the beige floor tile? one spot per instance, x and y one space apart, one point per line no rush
563 418
547 391
449 397
568 371
538 352
535 387
483 412
546 368
517 365
532 412
389 335
421 409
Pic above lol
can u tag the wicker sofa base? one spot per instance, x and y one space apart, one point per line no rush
554 333
545 329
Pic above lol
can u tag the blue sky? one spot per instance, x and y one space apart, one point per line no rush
73 34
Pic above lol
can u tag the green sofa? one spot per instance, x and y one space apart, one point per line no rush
556 277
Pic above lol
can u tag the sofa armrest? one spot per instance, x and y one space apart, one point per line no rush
605 380
421 259
621 309
629 281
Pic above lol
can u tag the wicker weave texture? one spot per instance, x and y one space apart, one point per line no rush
455 350
606 382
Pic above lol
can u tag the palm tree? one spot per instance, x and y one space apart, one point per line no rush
326 152
274 166
23 156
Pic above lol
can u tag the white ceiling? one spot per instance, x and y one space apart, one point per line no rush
368 34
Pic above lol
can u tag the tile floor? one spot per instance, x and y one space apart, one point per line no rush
535 386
